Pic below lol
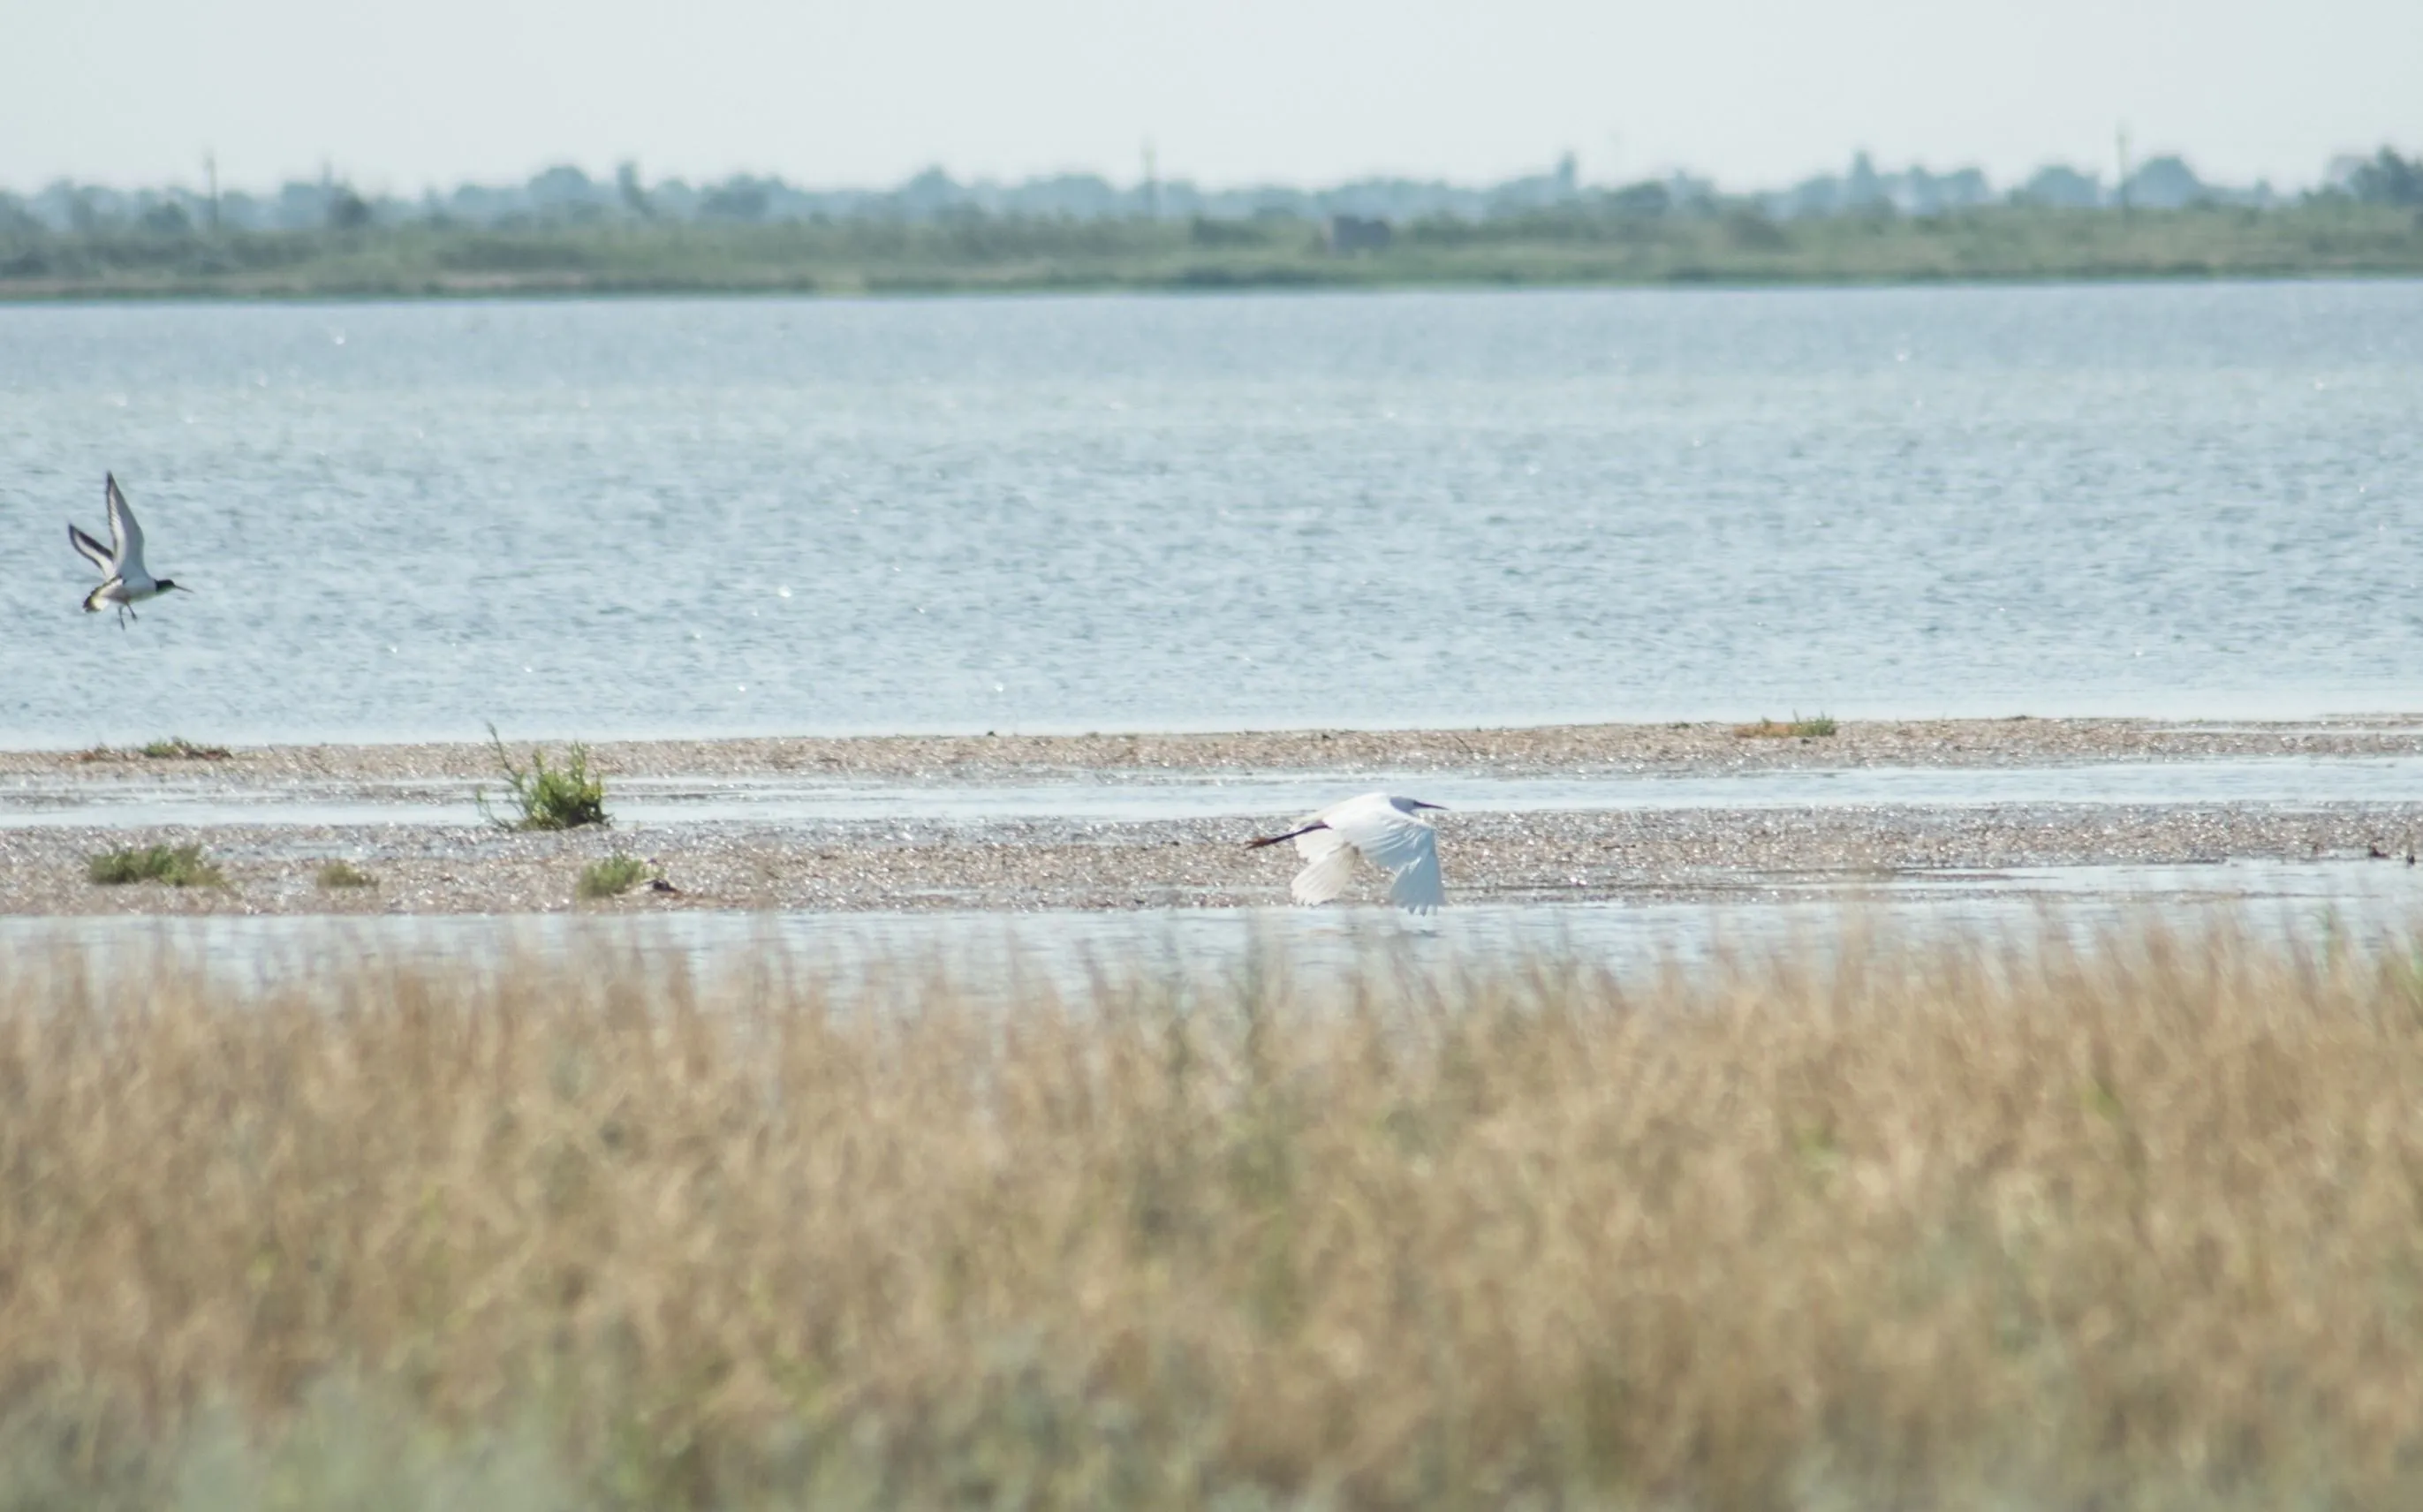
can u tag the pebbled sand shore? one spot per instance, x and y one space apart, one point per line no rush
1541 751
1669 854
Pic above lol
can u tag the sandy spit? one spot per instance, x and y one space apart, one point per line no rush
1704 854
1666 855
1540 751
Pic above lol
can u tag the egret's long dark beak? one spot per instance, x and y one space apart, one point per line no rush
1273 840
1419 804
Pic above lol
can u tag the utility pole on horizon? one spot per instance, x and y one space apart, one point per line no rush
2121 137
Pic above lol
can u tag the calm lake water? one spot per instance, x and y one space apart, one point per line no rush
735 517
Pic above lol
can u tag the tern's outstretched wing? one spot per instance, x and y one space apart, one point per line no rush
94 552
125 534
99 596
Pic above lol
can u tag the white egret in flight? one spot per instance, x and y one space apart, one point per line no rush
125 581
1388 833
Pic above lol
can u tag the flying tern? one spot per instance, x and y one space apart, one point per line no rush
125 581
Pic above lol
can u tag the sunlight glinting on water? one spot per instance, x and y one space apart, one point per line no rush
640 517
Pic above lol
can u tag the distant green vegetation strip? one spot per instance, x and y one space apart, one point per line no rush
2323 237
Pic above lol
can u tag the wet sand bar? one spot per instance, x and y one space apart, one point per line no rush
434 861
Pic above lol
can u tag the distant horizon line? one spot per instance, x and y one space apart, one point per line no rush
380 189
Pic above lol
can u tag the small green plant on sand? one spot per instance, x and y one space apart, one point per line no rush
546 797
178 749
180 866
611 877
343 873
1795 727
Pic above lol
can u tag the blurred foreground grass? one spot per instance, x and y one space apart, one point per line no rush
1874 1226
2324 236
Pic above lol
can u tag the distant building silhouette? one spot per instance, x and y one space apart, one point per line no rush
1349 234
1864 190
628 189
734 200
2061 185
2383 178
2167 183
1355 217
564 193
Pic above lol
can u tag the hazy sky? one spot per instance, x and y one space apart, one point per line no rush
399 96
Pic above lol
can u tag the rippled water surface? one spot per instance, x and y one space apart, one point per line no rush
630 518
2325 903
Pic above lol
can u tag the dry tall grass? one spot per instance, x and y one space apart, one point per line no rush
1883 1227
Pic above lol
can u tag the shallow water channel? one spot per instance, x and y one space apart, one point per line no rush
2287 780
2323 904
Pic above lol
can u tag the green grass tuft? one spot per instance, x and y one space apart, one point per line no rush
1793 729
343 873
180 866
611 877
564 797
178 749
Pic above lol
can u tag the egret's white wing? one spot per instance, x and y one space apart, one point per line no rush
125 534
1315 844
1328 861
1389 838
1416 889
94 551
1399 843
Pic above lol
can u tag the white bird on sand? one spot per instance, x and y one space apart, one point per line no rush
1388 833
125 581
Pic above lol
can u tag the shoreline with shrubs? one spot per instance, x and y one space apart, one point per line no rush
2323 236
523 827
